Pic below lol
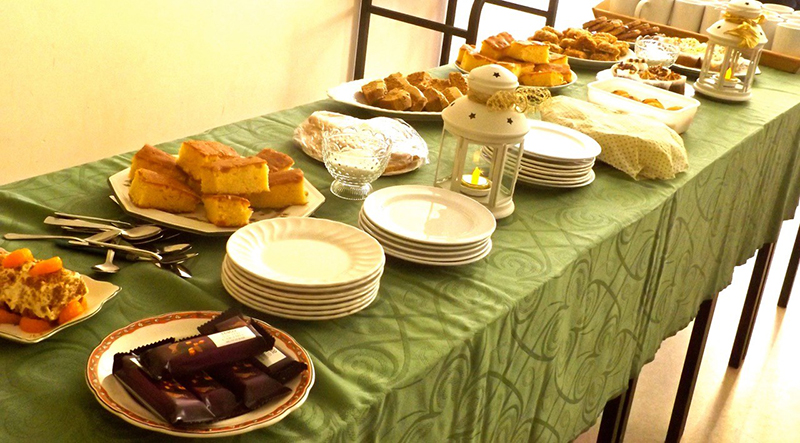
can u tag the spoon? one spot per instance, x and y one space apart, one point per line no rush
82 242
110 221
107 267
133 234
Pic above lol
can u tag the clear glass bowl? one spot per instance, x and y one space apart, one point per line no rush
655 51
355 157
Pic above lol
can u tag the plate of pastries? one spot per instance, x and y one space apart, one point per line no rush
532 62
40 297
211 189
585 49
627 32
661 77
418 96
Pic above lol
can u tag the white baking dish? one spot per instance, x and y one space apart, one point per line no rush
601 93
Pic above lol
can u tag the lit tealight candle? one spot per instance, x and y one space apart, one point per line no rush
475 184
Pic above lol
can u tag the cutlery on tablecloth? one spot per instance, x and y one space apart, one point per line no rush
140 232
117 223
82 242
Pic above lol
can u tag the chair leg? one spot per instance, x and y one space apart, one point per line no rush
751 304
361 40
791 272
691 367
615 415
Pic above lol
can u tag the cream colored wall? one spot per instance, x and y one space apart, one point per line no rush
84 79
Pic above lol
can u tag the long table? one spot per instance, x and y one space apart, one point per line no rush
528 344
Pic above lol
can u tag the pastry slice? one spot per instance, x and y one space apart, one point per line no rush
529 51
374 91
436 100
235 176
276 161
496 46
396 99
157 160
195 154
286 188
149 189
227 210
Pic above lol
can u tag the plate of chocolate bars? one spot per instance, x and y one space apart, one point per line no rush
200 374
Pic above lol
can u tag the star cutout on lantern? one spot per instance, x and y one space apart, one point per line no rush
496 75
510 121
472 116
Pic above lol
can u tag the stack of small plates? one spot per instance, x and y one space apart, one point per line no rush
556 156
303 268
426 225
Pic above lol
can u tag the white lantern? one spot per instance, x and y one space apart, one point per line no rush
481 148
734 40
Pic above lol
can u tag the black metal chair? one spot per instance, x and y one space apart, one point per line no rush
448 28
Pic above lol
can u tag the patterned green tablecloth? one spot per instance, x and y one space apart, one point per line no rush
527 345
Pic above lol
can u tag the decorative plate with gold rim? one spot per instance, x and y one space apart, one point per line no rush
112 396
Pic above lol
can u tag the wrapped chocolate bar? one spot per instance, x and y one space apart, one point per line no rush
250 384
166 398
217 398
230 319
195 354
278 366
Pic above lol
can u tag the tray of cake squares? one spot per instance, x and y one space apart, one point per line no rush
428 225
303 268
555 157
211 189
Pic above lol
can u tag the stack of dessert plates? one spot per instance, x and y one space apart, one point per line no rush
426 225
556 156
303 268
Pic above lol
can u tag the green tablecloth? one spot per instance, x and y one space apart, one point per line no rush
528 344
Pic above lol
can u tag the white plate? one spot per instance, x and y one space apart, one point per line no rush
558 185
557 180
557 142
688 89
424 261
306 252
310 311
596 64
532 161
98 293
429 215
387 240
695 72
350 93
196 222
112 395
300 316
551 88
533 169
290 300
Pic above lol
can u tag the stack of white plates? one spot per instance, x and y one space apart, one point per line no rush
426 225
303 268
556 156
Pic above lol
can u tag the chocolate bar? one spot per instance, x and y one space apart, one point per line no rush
217 398
195 354
166 398
278 366
230 319
251 385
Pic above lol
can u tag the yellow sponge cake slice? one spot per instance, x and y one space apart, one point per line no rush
195 154
227 210
276 161
235 176
149 189
157 160
496 46
529 51
286 188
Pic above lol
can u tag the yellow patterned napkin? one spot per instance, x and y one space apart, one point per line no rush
639 146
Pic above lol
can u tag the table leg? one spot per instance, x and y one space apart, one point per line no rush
691 367
791 272
615 415
751 304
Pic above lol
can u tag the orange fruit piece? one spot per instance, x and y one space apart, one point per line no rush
17 258
46 267
9 317
34 325
72 310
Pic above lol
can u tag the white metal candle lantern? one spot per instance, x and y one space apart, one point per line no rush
481 148
741 38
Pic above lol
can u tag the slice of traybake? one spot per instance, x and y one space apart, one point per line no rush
242 175
194 154
286 188
227 210
276 161
157 160
149 189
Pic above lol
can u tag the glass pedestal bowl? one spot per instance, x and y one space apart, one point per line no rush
355 157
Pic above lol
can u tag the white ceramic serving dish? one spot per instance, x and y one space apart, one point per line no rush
601 93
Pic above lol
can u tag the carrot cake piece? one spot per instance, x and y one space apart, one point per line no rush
149 189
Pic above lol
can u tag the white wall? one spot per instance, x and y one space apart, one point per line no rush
85 79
